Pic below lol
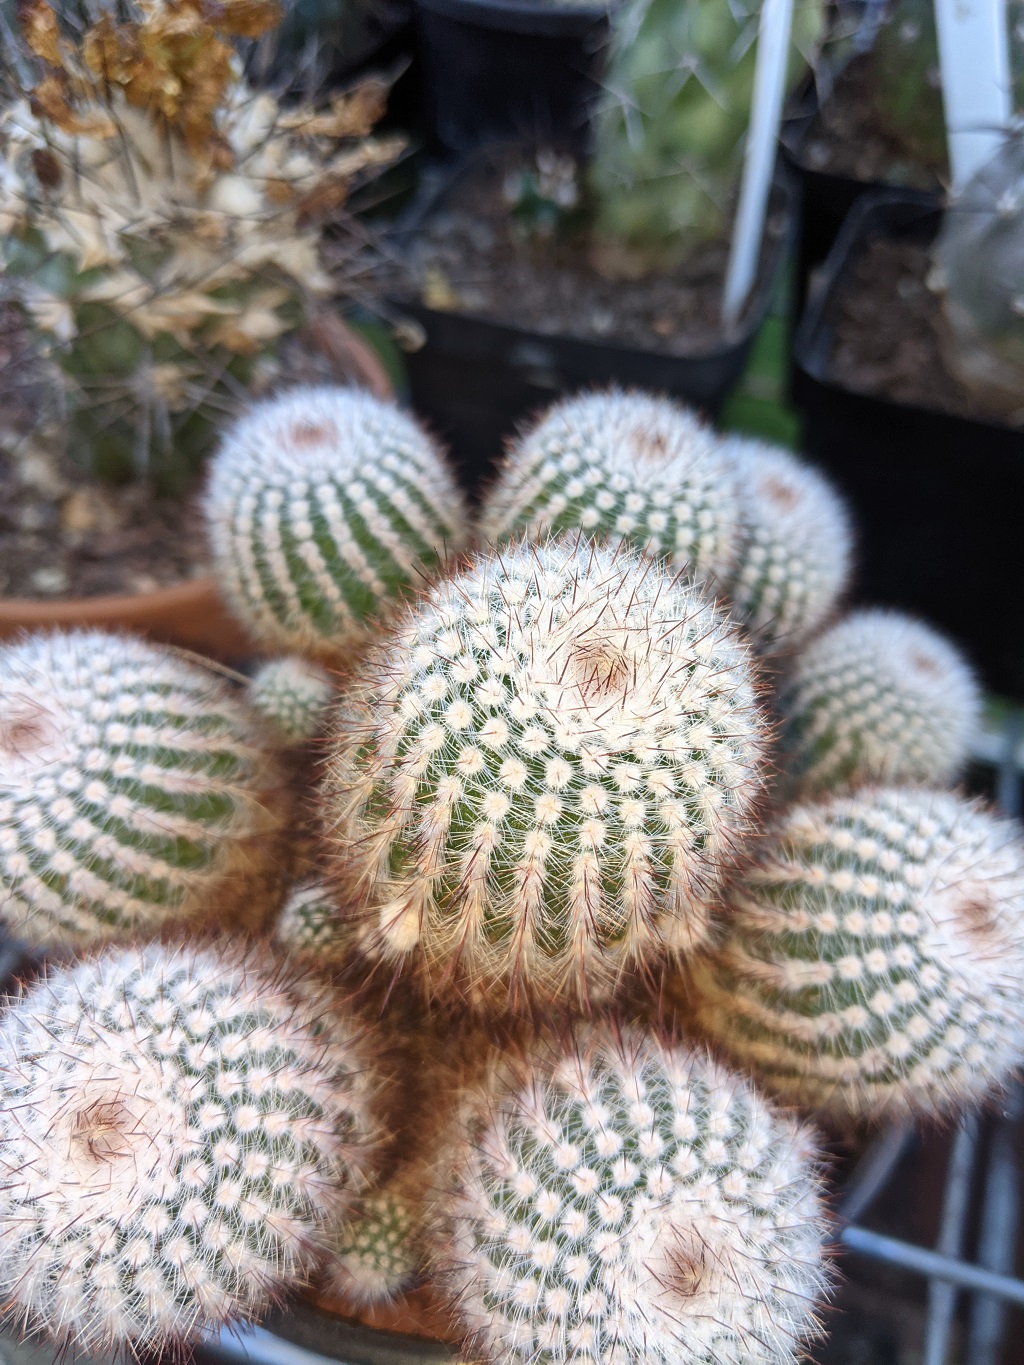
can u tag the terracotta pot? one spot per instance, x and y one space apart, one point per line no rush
191 614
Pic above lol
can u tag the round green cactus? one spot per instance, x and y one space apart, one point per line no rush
545 774
623 1200
380 1253
795 548
878 697
181 1135
136 794
325 507
294 696
310 921
874 956
620 467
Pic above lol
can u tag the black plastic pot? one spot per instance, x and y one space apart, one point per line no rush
509 68
937 498
474 380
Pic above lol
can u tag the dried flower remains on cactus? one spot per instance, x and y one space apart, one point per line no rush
545 774
874 956
159 220
878 697
620 467
626 1202
180 1137
327 506
136 795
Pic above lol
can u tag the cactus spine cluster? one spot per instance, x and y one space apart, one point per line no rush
294 696
179 1137
794 550
878 697
874 956
669 135
620 467
545 774
325 506
625 1200
135 794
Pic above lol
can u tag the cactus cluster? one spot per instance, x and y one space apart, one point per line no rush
625 1200
545 774
136 795
324 506
874 956
878 697
179 1138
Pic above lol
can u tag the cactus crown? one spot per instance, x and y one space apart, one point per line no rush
293 695
875 954
325 505
627 1201
132 791
557 754
794 555
879 697
179 1136
620 466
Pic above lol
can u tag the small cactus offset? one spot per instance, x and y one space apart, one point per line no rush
558 755
135 794
874 957
310 922
380 1251
620 467
325 507
180 1137
294 696
795 546
628 1202
878 697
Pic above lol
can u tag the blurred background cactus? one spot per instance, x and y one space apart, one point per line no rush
159 221
979 268
668 141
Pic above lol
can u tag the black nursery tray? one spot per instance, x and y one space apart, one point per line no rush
475 379
937 498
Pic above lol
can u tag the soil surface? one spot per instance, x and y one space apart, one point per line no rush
470 257
891 333
846 137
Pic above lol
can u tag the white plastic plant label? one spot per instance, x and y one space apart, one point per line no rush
976 86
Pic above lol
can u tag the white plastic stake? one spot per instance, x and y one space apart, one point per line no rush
759 154
977 94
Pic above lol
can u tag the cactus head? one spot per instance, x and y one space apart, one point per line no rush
874 956
620 467
180 1136
293 695
548 769
379 1253
326 506
795 545
625 1200
878 697
135 794
310 922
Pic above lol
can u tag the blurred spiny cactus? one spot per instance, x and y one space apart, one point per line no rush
623 1200
669 135
136 794
293 695
180 1137
158 220
544 775
326 507
873 957
380 1252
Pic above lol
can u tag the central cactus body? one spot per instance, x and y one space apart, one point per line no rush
546 772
